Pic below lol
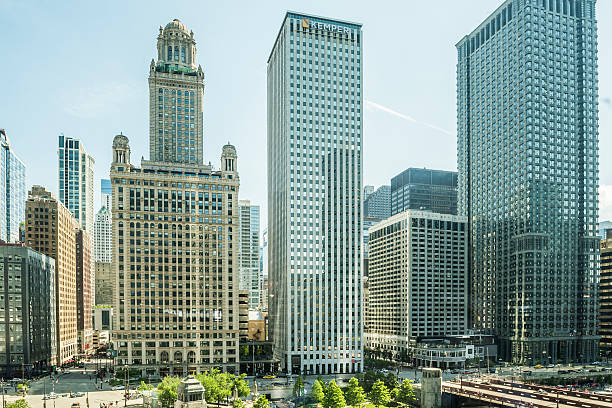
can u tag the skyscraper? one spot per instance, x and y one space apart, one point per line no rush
176 92
51 230
183 217
106 193
314 181
12 191
416 290
605 294
248 252
424 189
103 236
76 181
527 114
378 203
84 290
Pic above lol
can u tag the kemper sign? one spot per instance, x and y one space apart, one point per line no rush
324 26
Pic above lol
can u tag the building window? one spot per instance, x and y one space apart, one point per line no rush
169 53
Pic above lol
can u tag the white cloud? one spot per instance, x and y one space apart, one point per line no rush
374 105
605 202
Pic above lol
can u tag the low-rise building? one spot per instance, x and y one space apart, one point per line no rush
454 351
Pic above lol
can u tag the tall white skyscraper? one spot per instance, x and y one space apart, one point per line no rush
103 236
248 253
314 193
76 181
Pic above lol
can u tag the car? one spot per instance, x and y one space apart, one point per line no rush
538 366
550 366
76 394
118 387
76 405
269 377
51 395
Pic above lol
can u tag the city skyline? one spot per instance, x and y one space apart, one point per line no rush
96 112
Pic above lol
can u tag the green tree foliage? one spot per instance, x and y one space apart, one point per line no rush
238 403
144 387
333 396
379 395
262 402
405 393
298 387
167 391
239 383
368 379
317 391
20 403
354 393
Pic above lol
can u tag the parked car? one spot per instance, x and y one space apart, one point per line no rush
51 395
77 394
118 387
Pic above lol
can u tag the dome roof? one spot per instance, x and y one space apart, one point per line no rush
229 150
176 25
121 141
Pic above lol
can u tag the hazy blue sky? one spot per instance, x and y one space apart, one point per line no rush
81 68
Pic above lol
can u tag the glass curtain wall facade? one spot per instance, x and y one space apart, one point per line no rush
424 189
12 191
76 181
527 98
314 191
249 253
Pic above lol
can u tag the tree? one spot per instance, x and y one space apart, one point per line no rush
239 383
390 381
167 391
379 395
317 391
333 396
238 403
219 386
144 387
20 403
262 402
298 387
354 393
405 393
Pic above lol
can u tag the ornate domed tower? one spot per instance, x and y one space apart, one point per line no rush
229 160
121 150
176 93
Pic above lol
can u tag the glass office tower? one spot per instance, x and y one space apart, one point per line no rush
528 177
12 191
425 190
314 193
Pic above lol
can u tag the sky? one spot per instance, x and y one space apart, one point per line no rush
81 69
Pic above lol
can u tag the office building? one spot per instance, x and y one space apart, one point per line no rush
102 317
176 92
605 295
417 280
12 191
367 190
265 291
248 253
175 264
527 113
27 311
424 189
378 204
103 235
106 193
50 230
315 106
84 291
603 226
76 181
104 284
